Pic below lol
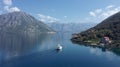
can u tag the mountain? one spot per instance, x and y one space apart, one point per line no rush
70 27
21 22
110 27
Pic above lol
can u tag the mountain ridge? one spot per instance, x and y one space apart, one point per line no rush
22 22
108 27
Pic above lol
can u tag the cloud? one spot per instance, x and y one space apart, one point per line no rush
46 18
95 12
99 15
110 6
65 16
8 6
109 13
12 9
7 2
98 10
92 14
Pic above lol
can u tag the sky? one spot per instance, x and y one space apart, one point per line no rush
63 11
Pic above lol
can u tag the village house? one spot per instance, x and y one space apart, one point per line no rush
105 40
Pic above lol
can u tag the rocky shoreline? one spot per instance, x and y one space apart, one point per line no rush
94 44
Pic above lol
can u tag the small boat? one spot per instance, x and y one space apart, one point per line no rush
59 47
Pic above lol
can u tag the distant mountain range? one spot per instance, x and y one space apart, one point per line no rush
110 27
21 22
70 27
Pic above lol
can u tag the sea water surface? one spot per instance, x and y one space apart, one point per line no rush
39 50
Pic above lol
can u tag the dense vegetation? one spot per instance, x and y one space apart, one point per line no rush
109 27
